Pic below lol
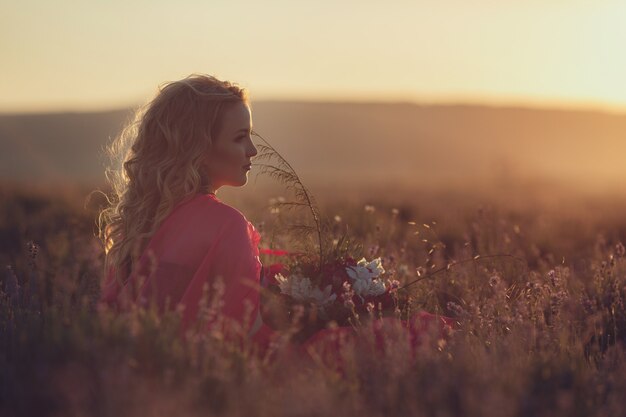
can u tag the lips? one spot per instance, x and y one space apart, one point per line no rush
247 167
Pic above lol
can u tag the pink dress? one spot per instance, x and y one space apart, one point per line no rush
201 241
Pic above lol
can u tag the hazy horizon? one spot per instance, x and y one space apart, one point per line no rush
361 144
352 92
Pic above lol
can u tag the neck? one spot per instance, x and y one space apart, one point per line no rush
208 190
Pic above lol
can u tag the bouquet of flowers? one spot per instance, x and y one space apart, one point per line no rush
323 287
344 291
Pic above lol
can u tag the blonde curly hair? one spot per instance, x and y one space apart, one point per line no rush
157 162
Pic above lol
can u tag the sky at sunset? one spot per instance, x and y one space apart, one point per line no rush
93 55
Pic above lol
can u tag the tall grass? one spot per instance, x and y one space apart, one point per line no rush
542 336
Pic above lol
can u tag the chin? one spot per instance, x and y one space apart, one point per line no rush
236 181
239 183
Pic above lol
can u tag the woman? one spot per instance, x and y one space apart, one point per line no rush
168 235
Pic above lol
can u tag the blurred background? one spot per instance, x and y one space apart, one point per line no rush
502 98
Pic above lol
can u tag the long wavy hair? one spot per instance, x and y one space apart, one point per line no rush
157 162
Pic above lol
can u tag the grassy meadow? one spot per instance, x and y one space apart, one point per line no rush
541 326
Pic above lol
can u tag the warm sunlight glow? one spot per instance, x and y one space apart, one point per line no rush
103 55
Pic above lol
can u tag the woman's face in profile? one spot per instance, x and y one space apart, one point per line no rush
228 160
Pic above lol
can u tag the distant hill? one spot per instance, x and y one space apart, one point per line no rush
57 147
358 143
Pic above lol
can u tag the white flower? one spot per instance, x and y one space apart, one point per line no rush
300 288
321 298
364 288
365 276
366 270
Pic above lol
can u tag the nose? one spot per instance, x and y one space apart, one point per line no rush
252 151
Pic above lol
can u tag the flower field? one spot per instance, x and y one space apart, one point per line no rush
535 284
